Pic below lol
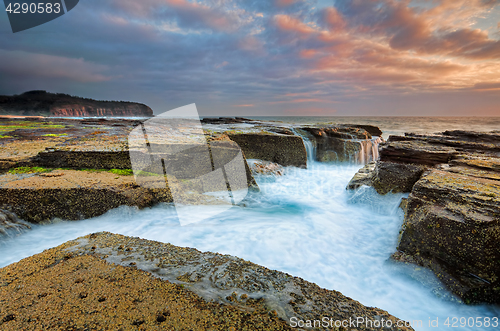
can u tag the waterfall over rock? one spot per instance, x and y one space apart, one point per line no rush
339 144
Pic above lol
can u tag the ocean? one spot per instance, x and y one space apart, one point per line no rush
304 223
398 125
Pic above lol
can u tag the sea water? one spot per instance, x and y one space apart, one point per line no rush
304 223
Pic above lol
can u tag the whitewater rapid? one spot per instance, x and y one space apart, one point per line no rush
304 223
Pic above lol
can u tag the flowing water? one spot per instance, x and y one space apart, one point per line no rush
304 223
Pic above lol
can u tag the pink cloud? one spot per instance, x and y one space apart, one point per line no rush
292 24
443 29
333 19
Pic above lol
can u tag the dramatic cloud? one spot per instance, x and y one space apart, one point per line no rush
19 63
314 57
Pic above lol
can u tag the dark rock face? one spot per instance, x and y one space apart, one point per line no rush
388 177
73 195
83 159
226 120
286 150
452 215
396 177
101 108
41 103
371 129
416 151
344 132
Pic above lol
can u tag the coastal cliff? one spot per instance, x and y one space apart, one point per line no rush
42 103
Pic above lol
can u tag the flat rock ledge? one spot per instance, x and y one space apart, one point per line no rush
452 214
110 281
73 195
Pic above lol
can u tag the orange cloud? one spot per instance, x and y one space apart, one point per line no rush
308 53
291 24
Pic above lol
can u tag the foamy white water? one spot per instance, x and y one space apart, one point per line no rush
304 223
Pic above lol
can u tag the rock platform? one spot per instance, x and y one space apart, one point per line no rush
109 281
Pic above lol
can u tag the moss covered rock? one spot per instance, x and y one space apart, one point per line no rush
452 224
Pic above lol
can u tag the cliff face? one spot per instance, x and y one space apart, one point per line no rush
41 103
109 109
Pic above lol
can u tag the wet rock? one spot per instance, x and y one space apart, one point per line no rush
452 225
364 176
185 283
10 224
286 150
387 177
266 168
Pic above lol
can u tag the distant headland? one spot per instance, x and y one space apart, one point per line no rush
42 103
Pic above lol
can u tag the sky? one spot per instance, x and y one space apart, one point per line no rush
267 57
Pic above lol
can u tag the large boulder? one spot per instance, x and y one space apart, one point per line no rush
396 177
452 224
388 177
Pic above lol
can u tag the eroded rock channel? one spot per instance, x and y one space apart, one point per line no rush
78 169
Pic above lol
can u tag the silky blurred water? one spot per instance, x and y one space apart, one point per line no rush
304 223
